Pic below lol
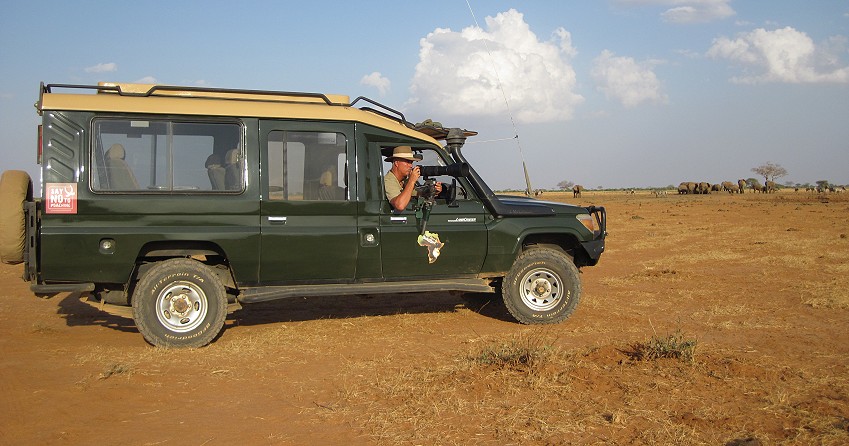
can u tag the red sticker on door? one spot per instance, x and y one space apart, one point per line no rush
61 198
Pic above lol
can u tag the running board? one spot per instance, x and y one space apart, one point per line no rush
50 290
263 294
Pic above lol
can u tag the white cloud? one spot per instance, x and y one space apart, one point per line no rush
463 73
689 54
625 80
699 12
688 11
146 80
378 81
783 55
102 68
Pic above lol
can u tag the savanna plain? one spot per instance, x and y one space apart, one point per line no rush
711 319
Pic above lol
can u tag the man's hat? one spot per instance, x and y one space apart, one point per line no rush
404 152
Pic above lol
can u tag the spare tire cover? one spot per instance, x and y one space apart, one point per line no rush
15 189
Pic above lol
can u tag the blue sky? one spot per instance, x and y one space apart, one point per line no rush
610 93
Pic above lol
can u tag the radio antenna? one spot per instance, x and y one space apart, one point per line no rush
529 190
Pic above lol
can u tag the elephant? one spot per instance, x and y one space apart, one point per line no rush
716 188
730 187
704 188
688 187
770 187
576 190
741 184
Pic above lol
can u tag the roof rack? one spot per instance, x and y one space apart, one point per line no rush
400 116
125 90
147 90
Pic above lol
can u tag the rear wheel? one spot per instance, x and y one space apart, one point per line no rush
179 303
15 189
542 287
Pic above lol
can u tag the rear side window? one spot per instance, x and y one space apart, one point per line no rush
166 156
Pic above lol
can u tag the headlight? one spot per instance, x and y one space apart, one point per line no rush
589 222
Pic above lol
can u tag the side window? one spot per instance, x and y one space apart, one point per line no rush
166 156
432 158
307 166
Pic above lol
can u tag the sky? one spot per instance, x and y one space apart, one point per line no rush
602 93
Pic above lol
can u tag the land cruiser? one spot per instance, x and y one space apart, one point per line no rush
174 205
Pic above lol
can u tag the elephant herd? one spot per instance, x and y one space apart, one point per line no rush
689 187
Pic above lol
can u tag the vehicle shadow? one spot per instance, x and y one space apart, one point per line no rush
300 309
78 313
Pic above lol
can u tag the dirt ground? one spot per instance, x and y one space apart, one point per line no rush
755 286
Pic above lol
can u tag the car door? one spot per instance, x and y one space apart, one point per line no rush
461 228
308 216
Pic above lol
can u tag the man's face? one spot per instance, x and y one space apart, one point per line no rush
403 166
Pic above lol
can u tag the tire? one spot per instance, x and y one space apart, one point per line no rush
542 287
15 189
179 303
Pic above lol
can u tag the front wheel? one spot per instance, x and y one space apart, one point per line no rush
542 287
179 303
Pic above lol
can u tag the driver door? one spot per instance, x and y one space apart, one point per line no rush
462 229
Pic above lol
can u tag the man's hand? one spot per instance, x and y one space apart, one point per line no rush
415 173
438 187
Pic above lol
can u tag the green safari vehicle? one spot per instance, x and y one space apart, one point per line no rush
175 205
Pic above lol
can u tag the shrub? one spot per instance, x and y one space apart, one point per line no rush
673 346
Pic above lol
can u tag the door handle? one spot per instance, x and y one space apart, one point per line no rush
277 220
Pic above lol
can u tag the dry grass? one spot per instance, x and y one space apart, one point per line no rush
830 294
762 289
498 381
114 370
522 392
673 346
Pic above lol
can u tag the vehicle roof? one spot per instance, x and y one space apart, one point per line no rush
177 100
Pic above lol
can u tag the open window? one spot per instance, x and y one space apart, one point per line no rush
452 188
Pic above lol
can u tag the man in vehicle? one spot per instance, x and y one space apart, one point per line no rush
400 182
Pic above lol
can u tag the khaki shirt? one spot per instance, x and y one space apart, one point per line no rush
393 187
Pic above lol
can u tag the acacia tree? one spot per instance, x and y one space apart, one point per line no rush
565 185
770 171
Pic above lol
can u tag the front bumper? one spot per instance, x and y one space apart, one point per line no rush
595 247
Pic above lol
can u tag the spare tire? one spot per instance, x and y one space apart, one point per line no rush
15 189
